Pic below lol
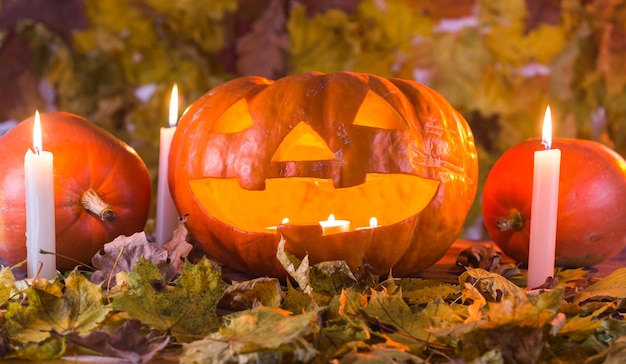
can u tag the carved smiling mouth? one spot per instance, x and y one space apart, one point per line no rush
390 198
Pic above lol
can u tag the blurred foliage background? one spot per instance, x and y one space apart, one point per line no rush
500 63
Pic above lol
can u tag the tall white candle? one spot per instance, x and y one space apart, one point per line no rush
40 222
166 213
545 200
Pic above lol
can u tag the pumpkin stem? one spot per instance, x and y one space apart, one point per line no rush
92 202
515 221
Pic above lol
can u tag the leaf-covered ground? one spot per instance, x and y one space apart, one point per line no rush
146 303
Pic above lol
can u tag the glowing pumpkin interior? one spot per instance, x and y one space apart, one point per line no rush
389 198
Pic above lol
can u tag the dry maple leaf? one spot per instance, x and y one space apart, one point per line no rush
122 253
262 51
126 342
178 248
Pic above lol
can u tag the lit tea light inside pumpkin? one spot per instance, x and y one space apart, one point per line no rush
272 229
373 224
40 220
332 226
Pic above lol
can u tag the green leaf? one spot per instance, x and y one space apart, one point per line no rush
342 326
420 291
297 301
328 279
196 22
262 333
390 316
613 285
188 308
77 309
50 348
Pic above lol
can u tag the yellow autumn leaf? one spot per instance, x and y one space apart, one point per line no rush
501 12
461 61
613 285
320 43
397 20
509 44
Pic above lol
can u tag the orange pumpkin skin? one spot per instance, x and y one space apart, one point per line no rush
435 144
85 157
592 192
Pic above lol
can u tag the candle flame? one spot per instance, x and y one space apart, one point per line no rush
546 136
373 222
285 220
331 217
37 133
174 106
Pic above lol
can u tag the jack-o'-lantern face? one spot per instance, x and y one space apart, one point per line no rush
255 159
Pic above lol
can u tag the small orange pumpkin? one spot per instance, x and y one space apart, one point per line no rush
253 152
102 188
592 191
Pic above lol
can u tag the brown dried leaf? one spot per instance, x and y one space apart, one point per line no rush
127 342
62 17
250 294
542 12
122 253
479 256
487 258
263 50
178 248
18 100
443 8
321 6
612 58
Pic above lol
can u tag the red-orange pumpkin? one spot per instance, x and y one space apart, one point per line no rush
592 192
90 166
254 151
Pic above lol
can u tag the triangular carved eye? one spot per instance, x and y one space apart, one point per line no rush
302 144
234 119
376 112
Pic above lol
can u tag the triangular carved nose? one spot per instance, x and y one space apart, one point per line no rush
302 144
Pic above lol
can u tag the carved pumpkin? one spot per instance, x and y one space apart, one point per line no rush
253 152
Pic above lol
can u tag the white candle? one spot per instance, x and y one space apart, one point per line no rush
543 218
332 226
40 224
272 229
166 213
373 224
